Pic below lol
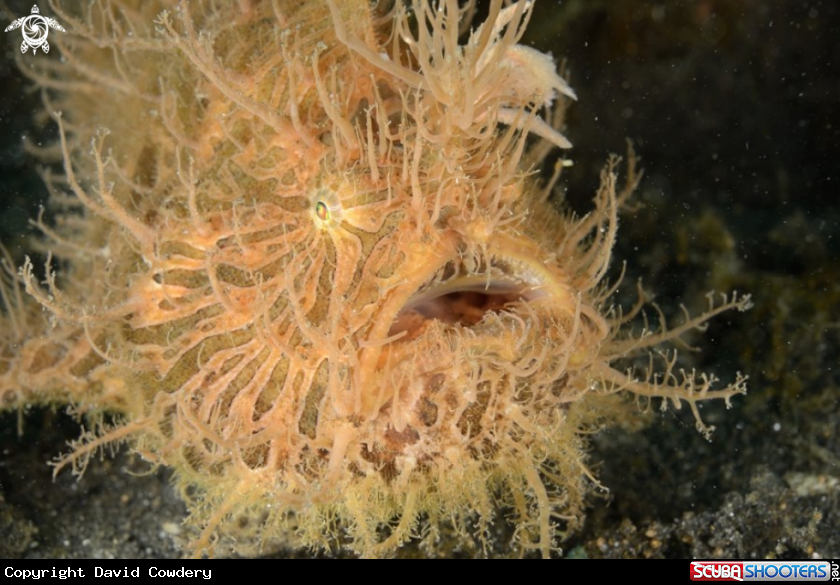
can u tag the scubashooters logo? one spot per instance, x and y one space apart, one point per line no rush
35 29
760 571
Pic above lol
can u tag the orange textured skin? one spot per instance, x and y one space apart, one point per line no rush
256 253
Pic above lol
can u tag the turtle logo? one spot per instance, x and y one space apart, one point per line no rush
35 29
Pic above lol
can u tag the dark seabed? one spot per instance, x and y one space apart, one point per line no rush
733 107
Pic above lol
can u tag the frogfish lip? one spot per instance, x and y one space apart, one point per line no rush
462 289
462 300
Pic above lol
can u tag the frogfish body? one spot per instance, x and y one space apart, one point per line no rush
302 257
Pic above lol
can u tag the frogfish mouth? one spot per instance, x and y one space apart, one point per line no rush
464 317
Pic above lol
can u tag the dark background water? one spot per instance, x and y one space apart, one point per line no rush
733 107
